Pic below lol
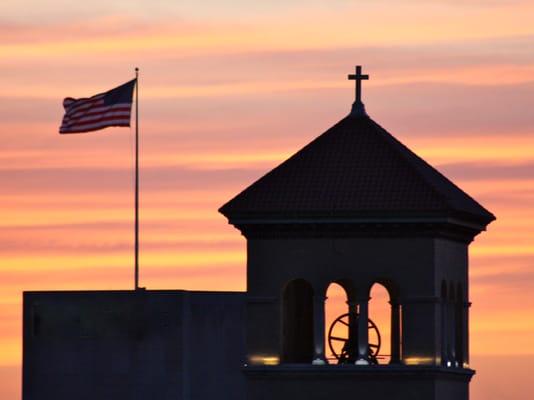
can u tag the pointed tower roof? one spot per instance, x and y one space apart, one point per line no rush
354 171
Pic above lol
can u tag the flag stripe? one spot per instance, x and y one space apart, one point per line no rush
98 118
94 127
81 104
84 107
99 123
98 111
107 122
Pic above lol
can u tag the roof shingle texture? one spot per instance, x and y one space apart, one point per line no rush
354 168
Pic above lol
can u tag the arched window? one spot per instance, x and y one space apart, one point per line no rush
452 321
297 322
385 314
460 331
444 325
337 323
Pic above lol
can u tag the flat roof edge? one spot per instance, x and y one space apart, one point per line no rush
126 291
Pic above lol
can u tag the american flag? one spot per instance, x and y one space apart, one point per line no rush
112 108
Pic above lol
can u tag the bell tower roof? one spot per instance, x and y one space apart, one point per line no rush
356 169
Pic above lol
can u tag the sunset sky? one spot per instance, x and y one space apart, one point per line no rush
228 90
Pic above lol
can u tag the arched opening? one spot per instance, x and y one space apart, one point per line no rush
376 339
444 325
459 327
380 313
452 321
336 305
297 322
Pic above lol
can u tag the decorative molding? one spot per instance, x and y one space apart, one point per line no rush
348 229
356 372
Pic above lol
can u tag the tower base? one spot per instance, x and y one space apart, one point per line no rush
313 382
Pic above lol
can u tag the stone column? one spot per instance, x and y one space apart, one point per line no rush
452 334
353 329
363 332
318 330
465 335
444 332
459 333
395 332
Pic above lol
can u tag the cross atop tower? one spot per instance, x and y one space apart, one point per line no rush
358 107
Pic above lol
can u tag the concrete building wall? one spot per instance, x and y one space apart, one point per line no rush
133 345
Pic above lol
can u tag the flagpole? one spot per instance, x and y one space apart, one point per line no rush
136 178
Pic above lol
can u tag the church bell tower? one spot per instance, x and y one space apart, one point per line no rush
356 207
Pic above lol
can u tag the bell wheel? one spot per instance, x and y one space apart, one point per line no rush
343 339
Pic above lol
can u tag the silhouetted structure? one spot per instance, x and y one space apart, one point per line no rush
354 207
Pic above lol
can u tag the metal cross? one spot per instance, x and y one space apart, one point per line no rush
358 77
